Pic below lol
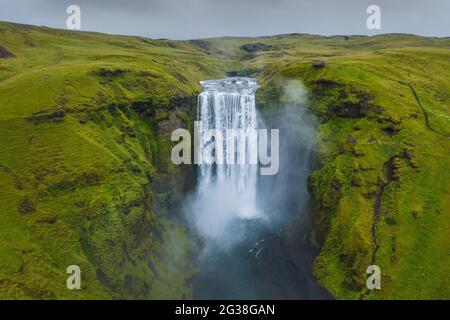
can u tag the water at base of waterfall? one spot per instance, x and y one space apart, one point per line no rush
261 266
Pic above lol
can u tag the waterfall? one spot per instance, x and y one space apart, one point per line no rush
246 250
226 108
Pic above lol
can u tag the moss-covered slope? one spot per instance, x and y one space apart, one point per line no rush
381 190
86 178
85 170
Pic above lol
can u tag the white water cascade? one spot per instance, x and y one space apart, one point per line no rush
227 185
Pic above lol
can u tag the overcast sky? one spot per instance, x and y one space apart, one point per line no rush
188 19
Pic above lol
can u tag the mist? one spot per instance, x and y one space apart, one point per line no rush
250 257
218 214
285 194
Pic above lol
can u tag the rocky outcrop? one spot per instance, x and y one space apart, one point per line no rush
5 54
255 47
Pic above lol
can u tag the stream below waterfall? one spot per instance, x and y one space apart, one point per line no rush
254 228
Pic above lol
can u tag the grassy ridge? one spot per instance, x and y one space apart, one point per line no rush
84 162
381 195
86 178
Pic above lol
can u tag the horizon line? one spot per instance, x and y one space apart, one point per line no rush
225 36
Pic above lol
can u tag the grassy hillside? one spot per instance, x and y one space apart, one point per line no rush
381 192
85 120
86 177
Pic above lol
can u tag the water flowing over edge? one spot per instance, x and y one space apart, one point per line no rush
223 105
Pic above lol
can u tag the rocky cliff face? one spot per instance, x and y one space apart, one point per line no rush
103 194
374 170
86 174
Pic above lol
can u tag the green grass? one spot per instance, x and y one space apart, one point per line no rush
82 159
86 178
413 244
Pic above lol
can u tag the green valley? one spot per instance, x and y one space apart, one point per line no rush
86 176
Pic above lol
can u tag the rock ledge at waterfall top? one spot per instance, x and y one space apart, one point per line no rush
231 85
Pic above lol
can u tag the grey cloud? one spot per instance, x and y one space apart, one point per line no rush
183 19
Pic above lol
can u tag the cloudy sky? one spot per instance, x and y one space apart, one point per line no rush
188 19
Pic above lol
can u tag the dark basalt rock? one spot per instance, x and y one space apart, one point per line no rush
359 109
47 117
151 266
26 206
108 73
47 218
255 47
335 187
415 214
128 284
202 44
247 57
356 182
145 107
349 102
379 110
391 221
406 154
351 110
319 64
391 129
324 84
351 139
103 279
5 54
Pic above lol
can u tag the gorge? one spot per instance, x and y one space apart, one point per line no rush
240 215
87 179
